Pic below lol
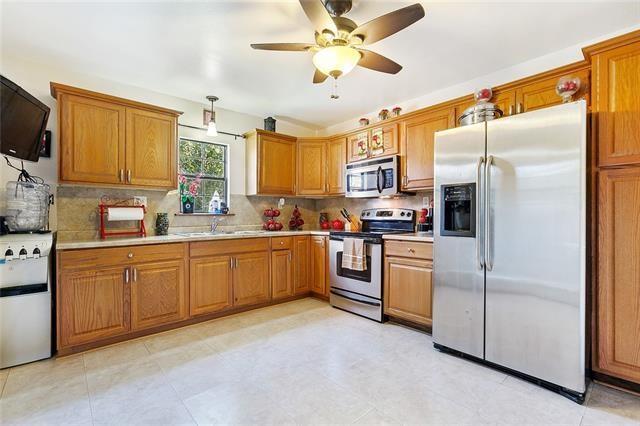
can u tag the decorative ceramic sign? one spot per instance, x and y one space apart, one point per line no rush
377 142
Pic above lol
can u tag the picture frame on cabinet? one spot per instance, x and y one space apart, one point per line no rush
377 142
362 141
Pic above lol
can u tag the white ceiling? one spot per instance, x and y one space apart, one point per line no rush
190 50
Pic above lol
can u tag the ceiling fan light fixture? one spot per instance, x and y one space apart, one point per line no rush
335 61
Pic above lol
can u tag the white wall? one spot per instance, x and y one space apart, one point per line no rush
525 69
35 78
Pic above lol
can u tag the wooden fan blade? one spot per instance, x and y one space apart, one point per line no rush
386 25
377 62
318 15
292 47
319 77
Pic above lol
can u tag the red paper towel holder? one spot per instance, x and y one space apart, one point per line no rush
106 203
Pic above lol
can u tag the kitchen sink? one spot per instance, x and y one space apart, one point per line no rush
208 234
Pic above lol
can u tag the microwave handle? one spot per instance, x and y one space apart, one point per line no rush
380 180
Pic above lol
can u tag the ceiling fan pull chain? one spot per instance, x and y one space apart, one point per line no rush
334 89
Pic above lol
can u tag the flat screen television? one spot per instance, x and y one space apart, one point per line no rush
23 120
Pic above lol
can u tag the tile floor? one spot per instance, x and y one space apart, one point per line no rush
297 363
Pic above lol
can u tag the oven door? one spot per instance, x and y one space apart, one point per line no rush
367 283
372 178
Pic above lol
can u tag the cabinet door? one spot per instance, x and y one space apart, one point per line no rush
418 148
318 265
301 265
210 285
336 161
276 165
616 104
312 167
389 134
408 289
618 307
151 149
93 305
281 274
505 101
357 146
251 278
92 140
542 94
158 294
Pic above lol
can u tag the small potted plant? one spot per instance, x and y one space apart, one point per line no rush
188 192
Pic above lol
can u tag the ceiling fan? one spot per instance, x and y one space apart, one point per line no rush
339 40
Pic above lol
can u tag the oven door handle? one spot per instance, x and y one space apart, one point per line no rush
364 302
380 180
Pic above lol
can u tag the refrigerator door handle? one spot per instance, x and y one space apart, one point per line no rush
488 255
479 213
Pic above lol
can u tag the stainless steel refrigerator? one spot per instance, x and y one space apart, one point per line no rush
509 240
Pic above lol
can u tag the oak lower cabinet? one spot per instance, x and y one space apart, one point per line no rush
113 141
270 163
408 285
282 267
418 133
319 263
105 293
93 304
211 285
301 264
618 294
251 282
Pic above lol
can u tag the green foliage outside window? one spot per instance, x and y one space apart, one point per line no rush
209 160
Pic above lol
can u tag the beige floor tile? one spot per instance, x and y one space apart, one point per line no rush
44 373
115 355
375 417
610 406
237 403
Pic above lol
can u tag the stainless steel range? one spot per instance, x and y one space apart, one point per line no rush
360 291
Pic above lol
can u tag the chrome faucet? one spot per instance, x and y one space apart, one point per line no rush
214 224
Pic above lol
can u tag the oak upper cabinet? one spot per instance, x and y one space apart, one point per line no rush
618 295
615 97
113 141
357 146
319 264
270 163
92 305
151 148
251 282
158 293
210 284
418 147
312 166
408 285
301 264
92 143
336 162
281 274
542 93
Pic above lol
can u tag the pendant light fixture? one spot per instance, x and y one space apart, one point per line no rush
211 127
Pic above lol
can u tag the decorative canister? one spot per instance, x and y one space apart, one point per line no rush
364 121
162 223
383 114
270 124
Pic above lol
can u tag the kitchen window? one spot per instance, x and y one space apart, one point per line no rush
209 161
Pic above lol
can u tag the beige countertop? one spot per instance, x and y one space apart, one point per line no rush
422 237
176 238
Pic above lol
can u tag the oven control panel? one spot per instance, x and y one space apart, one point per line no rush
387 214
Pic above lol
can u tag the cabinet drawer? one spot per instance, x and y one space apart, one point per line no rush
118 256
410 250
214 248
281 243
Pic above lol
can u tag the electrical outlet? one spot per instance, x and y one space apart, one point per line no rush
139 200
281 203
426 201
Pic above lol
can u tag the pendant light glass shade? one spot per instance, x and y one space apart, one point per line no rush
336 60
212 129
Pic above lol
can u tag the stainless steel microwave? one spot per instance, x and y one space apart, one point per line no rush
376 177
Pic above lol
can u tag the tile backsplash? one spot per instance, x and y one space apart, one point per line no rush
78 218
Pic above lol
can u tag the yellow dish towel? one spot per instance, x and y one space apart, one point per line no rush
353 254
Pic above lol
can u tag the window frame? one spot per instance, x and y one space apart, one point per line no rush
224 179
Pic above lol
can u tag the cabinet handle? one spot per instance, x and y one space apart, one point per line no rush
126 275
129 175
410 250
281 242
519 108
135 275
510 109
231 263
121 175
236 261
289 256
130 255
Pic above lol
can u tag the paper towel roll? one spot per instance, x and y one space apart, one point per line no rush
124 213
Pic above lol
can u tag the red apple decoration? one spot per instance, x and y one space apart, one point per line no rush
276 213
325 225
337 224
278 226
